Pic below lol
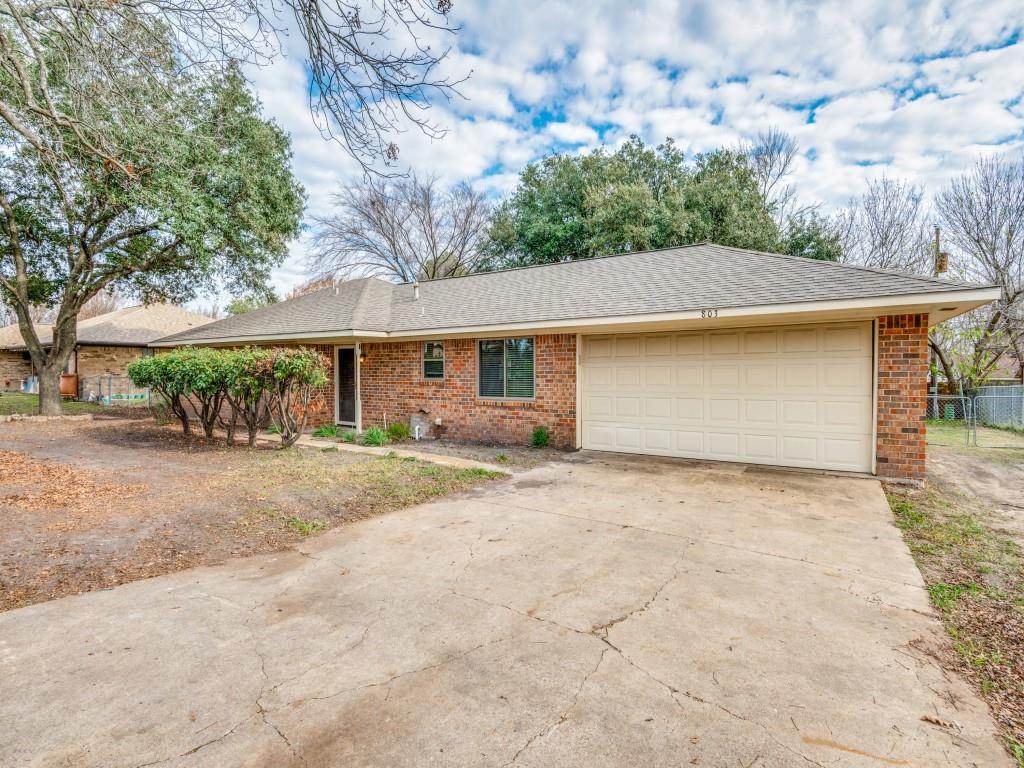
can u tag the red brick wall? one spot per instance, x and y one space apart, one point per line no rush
391 385
902 395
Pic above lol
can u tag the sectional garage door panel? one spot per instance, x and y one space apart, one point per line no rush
792 395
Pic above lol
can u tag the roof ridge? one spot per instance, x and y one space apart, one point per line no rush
862 267
555 263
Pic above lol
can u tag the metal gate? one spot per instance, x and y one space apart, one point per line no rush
949 420
998 417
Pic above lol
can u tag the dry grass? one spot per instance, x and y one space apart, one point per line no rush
974 571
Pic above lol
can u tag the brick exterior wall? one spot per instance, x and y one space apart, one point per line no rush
902 395
13 368
95 360
391 386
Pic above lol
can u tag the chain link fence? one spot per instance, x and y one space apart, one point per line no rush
949 420
113 390
999 417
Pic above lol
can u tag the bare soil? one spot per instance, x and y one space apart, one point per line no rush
89 505
515 457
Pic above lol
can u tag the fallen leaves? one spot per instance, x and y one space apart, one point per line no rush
42 485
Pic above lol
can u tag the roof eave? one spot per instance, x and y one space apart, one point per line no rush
939 305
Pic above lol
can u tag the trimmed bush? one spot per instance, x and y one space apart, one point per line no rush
258 383
540 438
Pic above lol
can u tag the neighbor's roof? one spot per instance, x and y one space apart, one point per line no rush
132 326
679 279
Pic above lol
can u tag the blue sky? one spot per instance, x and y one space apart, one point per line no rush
914 90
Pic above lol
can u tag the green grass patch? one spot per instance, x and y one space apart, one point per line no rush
306 527
19 404
326 430
398 431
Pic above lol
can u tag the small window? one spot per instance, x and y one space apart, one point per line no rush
433 360
506 369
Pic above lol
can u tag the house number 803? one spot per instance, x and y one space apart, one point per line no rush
706 313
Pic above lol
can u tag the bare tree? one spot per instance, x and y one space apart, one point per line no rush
310 286
372 65
887 228
982 214
100 304
772 155
400 229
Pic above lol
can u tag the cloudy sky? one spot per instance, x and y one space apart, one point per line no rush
915 90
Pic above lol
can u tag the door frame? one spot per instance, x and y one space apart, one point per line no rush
358 423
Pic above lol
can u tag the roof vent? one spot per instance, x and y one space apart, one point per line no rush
416 290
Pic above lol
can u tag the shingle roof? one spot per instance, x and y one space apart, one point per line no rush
668 280
132 326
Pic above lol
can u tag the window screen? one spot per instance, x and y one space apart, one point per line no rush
433 360
506 368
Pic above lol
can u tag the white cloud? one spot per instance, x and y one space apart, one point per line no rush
914 89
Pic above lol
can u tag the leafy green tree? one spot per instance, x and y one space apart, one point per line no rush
725 205
244 304
812 236
569 207
195 188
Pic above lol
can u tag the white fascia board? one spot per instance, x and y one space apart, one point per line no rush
962 299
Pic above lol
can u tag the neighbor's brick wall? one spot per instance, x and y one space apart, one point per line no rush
902 395
391 386
13 368
96 360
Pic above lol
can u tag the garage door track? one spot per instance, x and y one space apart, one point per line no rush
603 611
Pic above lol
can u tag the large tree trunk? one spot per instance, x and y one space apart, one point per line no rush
49 389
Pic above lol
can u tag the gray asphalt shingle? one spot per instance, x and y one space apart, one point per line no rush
669 280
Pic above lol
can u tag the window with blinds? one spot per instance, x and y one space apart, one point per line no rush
433 360
506 368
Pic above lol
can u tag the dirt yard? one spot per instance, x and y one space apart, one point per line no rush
89 505
965 528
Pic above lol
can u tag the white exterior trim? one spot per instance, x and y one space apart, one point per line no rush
334 364
874 396
797 312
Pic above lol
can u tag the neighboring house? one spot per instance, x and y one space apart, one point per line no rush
106 343
700 351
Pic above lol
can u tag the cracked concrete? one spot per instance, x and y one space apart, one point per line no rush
599 611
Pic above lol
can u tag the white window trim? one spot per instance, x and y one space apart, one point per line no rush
478 342
423 361
358 424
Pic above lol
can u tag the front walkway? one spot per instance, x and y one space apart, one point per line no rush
602 611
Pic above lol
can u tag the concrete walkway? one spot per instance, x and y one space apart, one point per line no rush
596 612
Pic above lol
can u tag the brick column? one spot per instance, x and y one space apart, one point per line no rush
902 395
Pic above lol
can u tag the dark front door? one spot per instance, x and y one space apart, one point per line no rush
347 386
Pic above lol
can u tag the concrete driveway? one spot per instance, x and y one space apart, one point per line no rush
603 611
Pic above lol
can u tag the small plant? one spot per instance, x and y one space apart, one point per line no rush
398 431
541 438
501 458
349 436
375 436
274 429
326 430
306 527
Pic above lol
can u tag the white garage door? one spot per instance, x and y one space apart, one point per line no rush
795 396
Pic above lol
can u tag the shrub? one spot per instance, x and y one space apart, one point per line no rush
540 438
274 429
375 436
349 436
326 430
398 431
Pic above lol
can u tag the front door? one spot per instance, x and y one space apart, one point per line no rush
347 386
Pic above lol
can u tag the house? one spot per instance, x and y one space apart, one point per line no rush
106 343
700 351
